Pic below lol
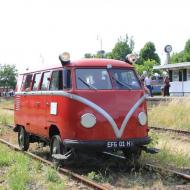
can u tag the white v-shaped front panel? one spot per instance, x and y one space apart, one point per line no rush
118 131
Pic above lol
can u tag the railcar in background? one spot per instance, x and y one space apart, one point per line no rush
89 105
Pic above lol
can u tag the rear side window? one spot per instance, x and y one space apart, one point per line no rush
56 80
19 83
45 81
36 83
27 82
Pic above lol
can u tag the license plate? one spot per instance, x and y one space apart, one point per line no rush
119 144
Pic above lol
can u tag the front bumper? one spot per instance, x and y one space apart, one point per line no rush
106 145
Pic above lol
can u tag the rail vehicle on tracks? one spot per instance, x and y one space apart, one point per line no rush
89 105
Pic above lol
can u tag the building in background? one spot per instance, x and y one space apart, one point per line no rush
179 75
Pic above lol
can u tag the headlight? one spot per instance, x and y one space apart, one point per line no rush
142 118
88 120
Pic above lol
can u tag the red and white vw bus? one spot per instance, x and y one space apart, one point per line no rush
86 105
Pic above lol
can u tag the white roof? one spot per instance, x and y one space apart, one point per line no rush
173 66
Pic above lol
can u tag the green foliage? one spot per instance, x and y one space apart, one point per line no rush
56 186
8 74
5 159
6 117
88 55
148 52
51 175
99 54
146 66
55 183
183 56
99 177
173 114
23 173
167 155
19 176
95 176
123 47
177 57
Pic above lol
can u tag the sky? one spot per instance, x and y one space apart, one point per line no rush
35 32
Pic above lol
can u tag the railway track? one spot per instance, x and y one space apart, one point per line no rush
148 165
11 109
171 130
91 183
67 172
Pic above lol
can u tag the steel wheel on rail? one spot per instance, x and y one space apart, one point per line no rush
23 139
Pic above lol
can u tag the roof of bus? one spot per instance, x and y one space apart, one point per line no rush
92 62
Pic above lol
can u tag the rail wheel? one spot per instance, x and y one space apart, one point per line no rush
132 155
23 139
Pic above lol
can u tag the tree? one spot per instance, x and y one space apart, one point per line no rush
147 66
183 56
148 52
88 55
8 74
177 57
123 47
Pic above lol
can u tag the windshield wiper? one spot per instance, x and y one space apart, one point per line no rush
88 85
122 83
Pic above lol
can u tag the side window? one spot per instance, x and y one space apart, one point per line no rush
175 76
19 83
26 82
36 83
188 74
56 80
45 81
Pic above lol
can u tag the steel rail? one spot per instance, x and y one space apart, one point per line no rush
183 175
67 172
11 109
170 130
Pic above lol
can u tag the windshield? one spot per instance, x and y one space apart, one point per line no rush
125 79
93 79
100 79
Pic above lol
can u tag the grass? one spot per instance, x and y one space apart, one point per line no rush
6 116
174 114
22 173
7 102
174 151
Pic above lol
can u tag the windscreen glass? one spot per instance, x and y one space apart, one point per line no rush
102 79
93 79
125 79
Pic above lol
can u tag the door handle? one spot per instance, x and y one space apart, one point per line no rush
47 103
